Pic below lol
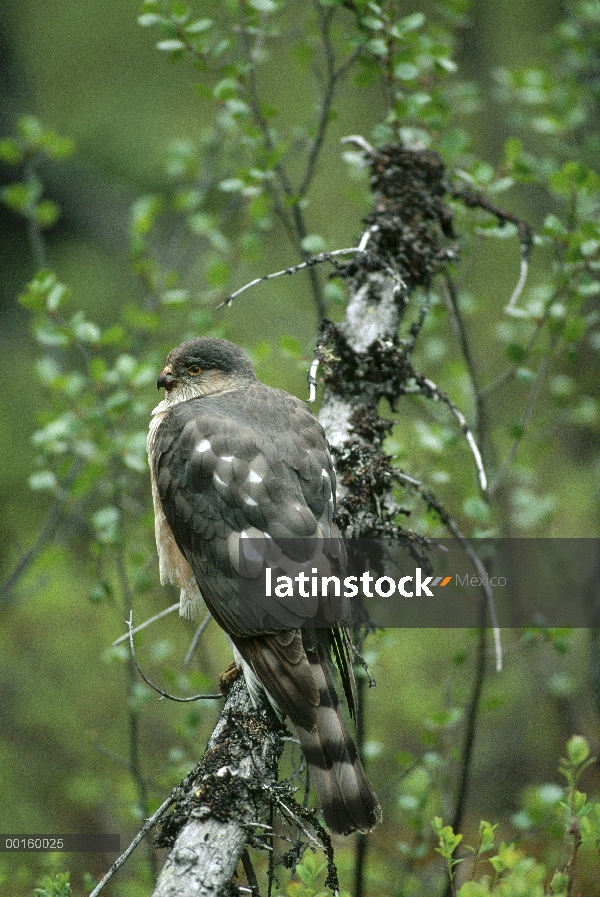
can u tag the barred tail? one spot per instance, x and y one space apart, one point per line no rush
344 792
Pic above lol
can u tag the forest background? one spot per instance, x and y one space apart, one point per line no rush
161 217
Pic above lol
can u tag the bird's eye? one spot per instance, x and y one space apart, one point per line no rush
195 369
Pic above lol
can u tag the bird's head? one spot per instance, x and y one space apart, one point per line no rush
203 367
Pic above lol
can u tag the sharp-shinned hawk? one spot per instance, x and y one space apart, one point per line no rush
234 459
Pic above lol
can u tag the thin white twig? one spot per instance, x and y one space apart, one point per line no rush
290 813
367 236
293 269
312 380
163 613
510 308
149 823
359 141
197 635
442 397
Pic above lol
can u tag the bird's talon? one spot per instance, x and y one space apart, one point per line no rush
228 677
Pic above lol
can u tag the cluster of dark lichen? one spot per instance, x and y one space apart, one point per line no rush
410 219
379 373
211 790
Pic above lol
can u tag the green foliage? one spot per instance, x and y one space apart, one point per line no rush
311 872
94 388
31 146
54 887
514 872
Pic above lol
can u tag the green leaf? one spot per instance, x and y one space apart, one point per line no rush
516 353
144 212
46 213
10 152
169 46
263 5
58 294
334 292
54 887
477 509
378 47
410 23
50 335
448 839
42 480
86 331
175 297
560 884
112 336
231 185
372 24
486 836
473 889
57 147
149 18
290 346
30 129
313 243
198 26
21 197
106 523
578 750
179 11
406 71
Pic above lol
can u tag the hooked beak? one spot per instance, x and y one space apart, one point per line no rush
166 379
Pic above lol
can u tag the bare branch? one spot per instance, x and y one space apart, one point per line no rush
525 420
293 269
312 380
360 142
162 613
45 536
149 823
510 308
474 200
439 396
458 325
452 526
296 228
197 636
155 687
333 74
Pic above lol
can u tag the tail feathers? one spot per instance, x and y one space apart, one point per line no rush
344 792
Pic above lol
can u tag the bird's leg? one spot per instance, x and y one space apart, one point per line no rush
228 677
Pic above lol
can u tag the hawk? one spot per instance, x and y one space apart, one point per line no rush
233 459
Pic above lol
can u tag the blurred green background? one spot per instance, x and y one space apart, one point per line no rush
89 71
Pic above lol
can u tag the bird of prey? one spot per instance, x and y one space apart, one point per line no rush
232 459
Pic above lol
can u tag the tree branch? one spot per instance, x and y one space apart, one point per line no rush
229 792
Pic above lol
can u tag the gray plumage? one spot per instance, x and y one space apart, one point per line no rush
231 457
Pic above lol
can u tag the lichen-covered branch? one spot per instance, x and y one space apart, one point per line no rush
409 237
220 802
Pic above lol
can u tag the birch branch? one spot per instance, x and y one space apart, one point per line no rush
226 796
